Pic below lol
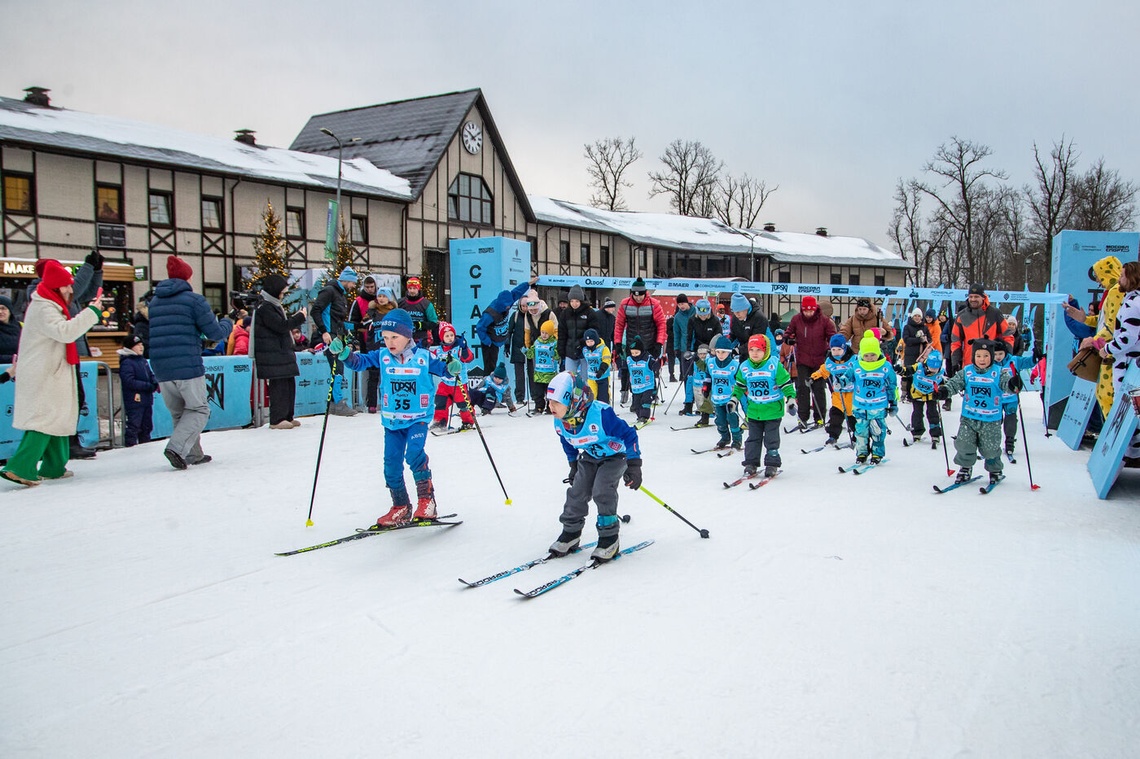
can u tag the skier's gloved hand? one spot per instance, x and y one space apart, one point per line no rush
632 476
1015 384
454 366
893 408
791 408
339 349
942 393
687 355
573 473
461 342
706 387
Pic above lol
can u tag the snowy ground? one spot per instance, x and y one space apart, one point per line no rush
828 616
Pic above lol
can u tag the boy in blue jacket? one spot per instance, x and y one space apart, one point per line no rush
491 391
643 370
406 391
602 450
138 384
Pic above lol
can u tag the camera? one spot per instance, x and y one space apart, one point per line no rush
246 299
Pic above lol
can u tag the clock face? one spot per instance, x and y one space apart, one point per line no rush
472 137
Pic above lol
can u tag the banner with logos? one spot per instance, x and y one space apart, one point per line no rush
481 267
1107 457
88 421
229 380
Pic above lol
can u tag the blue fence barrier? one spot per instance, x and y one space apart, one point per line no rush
229 380
88 420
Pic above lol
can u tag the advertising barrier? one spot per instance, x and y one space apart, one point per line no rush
1107 457
1078 409
481 267
229 382
88 420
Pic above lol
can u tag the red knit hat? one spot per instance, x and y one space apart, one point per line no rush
809 301
444 328
415 282
758 341
40 264
176 268
54 275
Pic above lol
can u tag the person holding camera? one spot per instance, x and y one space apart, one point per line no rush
273 351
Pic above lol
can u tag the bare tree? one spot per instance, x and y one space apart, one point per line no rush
1017 239
959 198
738 200
690 176
1103 201
608 160
1051 202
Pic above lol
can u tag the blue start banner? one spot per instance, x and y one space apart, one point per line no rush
10 437
481 267
229 380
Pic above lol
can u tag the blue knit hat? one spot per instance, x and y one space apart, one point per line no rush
837 341
500 372
348 274
592 334
398 321
739 303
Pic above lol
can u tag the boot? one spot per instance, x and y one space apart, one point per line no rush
687 410
467 426
749 470
703 421
861 459
831 441
625 397
1010 447
567 542
425 508
946 405
721 444
964 474
342 409
397 516
771 471
78 450
737 444
996 477
606 549
438 425
876 459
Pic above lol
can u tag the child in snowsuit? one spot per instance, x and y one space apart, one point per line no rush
876 394
602 450
452 389
722 368
406 390
1009 400
642 379
598 360
544 353
842 387
983 383
139 385
492 391
925 377
762 383
700 377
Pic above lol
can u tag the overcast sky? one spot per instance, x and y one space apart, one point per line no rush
832 101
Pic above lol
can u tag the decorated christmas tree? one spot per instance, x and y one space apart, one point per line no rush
345 254
268 248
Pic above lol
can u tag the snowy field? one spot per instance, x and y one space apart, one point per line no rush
829 615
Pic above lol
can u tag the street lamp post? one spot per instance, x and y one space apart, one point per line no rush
339 164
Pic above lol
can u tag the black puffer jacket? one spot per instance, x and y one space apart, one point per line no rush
273 351
572 326
913 344
702 331
330 310
740 331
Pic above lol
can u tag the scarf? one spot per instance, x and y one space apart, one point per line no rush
55 297
273 302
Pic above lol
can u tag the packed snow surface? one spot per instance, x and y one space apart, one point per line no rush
829 615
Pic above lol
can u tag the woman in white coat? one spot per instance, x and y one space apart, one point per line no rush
45 405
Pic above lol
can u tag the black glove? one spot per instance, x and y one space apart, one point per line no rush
573 473
632 474
655 350
942 393
95 258
893 409
1015 384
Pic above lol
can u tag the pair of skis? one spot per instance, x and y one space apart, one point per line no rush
804 428
721 451
558 581
983 490
862 468
761 480
376 530
691 427
836 446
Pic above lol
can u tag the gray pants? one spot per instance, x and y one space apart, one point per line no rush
186 402
762 436
978 438
1009 425
597 479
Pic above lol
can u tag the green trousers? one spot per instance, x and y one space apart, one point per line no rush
36 447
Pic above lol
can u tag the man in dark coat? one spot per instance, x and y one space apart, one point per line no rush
572 325
274 351
811 332
330 314
179 319
747 320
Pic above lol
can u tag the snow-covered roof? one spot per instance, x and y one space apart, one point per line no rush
122 139
665 230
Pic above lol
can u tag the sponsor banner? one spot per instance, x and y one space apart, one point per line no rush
312 384
229 380
1107 457
481 267
1078 410
88 427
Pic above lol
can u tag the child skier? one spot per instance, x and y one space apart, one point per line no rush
762 383
139 386
405 397
601 449
875 395
834 370
1009 400
642 379
492 391
722 368
983 383
452 389
700 377
544 353
598 360
925 377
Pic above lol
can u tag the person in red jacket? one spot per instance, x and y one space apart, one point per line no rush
977 321
639 315
810 332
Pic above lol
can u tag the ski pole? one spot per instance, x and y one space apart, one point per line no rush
941 426
490 458
670 404
1025 445
671 510
321 447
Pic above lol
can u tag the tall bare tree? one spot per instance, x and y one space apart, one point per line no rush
1051 202
607 161
1103 201
738 200
689 178
916 240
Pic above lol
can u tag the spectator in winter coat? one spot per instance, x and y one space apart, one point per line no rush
425 322
140 322
866 317
670 352
179 318
977 321
300 342
934 327
493 324
703 327
330 315
639 315
747 320
9 331
359 311
915 337
378 308
607 320
139 385
241 337
810 333
526 325
274 348
572 325
45 406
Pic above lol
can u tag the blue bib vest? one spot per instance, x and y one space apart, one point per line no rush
760 381
723 380
406 390
444 354
593 358
924 383
983 394
841 380
590 437
1009 400
544 362
640 375
872 388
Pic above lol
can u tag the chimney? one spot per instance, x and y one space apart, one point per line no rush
821 231
770 226
246 136
37 96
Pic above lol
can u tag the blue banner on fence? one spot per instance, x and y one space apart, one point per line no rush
312 385
88 422
229 380
1078 409
1107 457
